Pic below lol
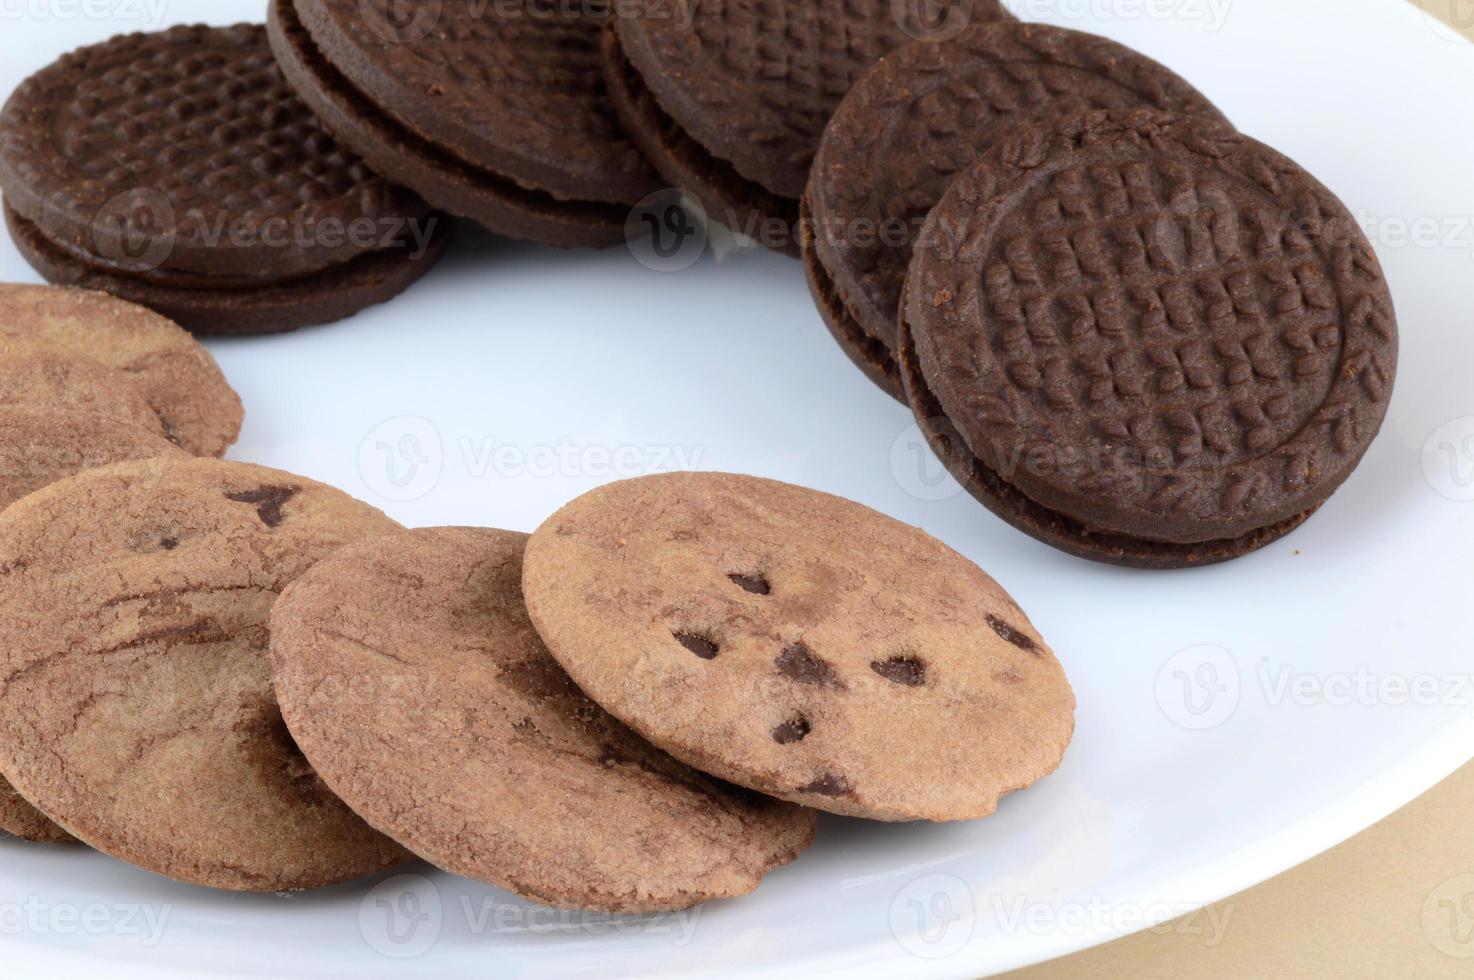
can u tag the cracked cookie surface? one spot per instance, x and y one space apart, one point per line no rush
136 707
799 644
409 673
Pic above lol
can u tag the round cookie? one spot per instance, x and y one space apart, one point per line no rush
182 165
799 644
493 112
20 819
409 674
37 448
728 98
1159 330
912 122
82 351
136 707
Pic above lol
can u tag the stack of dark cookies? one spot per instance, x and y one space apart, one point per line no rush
1128 329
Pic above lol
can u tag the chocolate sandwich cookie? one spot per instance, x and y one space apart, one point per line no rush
799 644
136 707
409 674
1146 338
728 99
495 112
86 352
917 118
180 170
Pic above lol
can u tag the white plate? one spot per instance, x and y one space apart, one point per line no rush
1233 721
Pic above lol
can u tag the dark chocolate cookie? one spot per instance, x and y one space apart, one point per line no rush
917 118
409 673
728 98
493 111
1168 339
136 706
182 162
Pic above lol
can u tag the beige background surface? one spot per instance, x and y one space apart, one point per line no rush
1396 901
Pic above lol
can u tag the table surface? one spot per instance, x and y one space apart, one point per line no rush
1395 900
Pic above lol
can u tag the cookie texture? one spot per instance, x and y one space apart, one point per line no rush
729 98
136 707
1156 327
447 181
18 818
87 352
799 644
493 112
204 306
918 117
409 674
197 122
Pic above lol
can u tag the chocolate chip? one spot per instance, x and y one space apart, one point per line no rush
798 662
792 730
756 583
903 669
1012 635
168 544
268 501
699 645
827 785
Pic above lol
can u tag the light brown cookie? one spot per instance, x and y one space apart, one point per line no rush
20 819
86 351
799 644
409 674
136 707
39 447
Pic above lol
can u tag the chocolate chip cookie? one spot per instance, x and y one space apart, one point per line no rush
136 707
86 352
799 644
1160 342
409 674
